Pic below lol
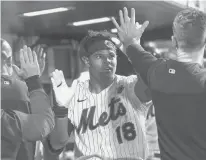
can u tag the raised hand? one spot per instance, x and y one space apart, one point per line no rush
129 30
62 92
41 56
29 63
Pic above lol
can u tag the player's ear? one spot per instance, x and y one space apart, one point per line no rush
85 60
174 42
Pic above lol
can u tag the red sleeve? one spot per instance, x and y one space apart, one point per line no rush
42 117
10 126
36 126
33 125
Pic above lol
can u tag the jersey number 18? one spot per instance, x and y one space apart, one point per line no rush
128 131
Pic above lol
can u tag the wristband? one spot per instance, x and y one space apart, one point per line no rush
60 112
33 83
52 150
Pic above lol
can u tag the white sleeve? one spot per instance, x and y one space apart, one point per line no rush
130 83
71 110
71 104
76 85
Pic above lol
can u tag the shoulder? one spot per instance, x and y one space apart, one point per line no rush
14 89
127 80
80 84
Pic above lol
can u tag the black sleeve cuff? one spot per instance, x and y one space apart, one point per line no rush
52 150
60 112
33 83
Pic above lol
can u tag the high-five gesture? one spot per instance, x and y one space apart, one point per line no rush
41 56
29 62
62 92
129 30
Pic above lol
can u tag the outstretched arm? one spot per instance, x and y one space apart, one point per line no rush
59 137
130 33
141 89
38 120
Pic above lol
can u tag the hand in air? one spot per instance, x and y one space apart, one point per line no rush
62 92
129 30
29 63
41 56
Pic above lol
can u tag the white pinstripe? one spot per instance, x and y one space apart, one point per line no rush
103 140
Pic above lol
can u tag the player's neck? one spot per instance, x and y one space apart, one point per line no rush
192 57
98 84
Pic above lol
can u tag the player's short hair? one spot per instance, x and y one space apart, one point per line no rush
189 28
92 39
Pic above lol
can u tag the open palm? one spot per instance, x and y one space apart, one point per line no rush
129 30
62 92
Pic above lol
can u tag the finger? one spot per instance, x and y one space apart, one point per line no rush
44 55
144 26
21 57
132 16
34 57
126 17
121 18
41 53
53 83
116 24
25 54
137 24
52 74
61 73
55 75
16 68
30 56
38 49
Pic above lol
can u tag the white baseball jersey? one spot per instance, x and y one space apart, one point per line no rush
151 129
111 123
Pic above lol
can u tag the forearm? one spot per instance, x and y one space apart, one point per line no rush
59 136
39 101
141 59
36 126
10 127
40 122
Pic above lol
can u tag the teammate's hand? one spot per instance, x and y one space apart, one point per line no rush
129 30
29 63
41 56
18 73
62 92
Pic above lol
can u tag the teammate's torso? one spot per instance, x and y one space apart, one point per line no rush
179 96
111 123
14 96
13 89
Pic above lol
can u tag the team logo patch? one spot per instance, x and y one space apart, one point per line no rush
120 89
6 82
172 71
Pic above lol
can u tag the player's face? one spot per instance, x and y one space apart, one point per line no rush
103 62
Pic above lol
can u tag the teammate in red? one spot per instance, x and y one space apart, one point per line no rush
23 118
178 86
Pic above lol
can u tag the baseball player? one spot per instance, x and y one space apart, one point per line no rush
108 117
26 114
